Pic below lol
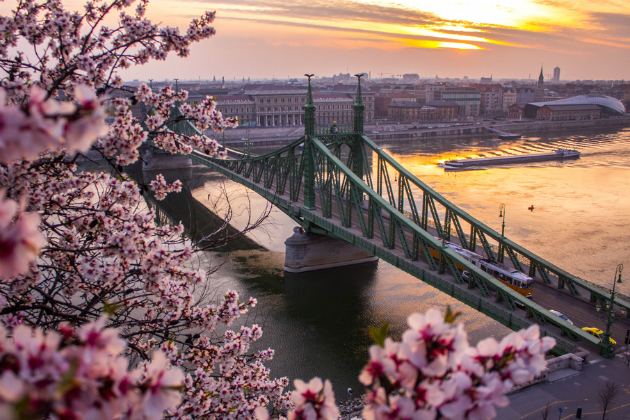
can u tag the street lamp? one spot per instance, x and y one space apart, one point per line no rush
608 350
501 246
502 214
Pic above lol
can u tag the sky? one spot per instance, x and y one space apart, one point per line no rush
587 39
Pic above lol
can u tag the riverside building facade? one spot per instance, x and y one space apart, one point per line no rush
268 105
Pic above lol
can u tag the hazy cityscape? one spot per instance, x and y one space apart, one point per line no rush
404 98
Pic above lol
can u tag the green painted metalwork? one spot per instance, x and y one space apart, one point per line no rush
308 162
512 249
380 210
309 181
359 108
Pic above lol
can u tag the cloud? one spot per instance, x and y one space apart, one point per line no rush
612 19
337 10
396 20
438 40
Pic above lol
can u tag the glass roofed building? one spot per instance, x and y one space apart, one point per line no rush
610 106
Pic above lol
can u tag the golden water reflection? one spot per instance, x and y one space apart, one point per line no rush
580 221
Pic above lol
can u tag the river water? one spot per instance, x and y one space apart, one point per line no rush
318 322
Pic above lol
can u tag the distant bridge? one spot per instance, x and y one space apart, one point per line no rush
324 182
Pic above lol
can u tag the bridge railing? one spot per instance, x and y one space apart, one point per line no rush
334 128
348 194
479 230
280 173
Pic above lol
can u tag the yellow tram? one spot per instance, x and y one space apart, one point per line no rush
512 278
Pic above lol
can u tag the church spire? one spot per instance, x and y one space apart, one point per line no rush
541 78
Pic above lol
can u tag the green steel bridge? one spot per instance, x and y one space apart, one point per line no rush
324 181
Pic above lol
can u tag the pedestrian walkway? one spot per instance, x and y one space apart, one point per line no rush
575 391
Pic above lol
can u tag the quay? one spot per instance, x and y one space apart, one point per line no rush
502 134
281 136
570 389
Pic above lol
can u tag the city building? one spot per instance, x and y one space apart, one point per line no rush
333 107
411 78
509 98
431 89
342 78
467 98
380 106
524 95
568 112
556 75
449 109
491 100
269 105
516 111
401 97
241 106
413 111
486 80
609 106
351 91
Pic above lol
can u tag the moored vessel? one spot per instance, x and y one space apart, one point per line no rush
558 154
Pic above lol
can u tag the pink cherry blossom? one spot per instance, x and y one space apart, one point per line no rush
161 384
20 239
451 380
313 401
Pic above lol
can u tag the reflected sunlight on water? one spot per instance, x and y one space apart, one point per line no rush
318 322
580 220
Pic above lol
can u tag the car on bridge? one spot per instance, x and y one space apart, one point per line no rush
597 333
560 315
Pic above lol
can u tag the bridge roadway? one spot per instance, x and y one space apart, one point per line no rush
421 269
310 171
577 308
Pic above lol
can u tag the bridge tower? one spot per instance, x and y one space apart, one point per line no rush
359 107
309 163
357 143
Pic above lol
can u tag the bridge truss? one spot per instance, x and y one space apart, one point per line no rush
327 183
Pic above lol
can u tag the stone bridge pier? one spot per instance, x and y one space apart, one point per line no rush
311 251
159 160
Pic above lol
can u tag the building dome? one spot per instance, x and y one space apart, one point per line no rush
612 105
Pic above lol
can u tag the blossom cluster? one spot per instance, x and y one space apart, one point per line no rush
161 188
81 373
43 124
434 373
20 239
76 244
162 120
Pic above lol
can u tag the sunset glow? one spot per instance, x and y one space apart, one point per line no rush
517 36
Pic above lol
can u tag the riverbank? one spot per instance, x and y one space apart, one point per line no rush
281 136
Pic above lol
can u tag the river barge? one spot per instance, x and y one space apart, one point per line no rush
559 154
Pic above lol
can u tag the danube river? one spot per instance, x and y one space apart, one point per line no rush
318 322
